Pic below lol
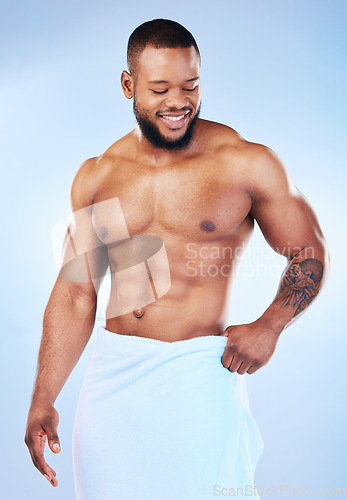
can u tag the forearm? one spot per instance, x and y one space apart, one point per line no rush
67 327
300 283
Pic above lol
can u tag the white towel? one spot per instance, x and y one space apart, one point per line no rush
162 420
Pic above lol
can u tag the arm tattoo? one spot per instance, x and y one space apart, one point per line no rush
300 284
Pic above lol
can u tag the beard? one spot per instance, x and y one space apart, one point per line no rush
151 131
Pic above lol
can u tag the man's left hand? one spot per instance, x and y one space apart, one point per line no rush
248 348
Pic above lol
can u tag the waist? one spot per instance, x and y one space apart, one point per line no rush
198 341
168 319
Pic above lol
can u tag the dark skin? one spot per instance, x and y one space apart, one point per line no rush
200 200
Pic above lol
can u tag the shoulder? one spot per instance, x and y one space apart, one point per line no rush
81 192
219 136
261 168
266 173
229 144
87 180
255 159
91 175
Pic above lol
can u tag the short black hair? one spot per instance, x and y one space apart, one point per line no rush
160 33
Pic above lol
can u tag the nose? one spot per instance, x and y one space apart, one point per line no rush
177 99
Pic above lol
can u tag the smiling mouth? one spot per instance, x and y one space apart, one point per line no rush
174 120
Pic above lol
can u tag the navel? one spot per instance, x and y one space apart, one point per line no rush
207 225
138 313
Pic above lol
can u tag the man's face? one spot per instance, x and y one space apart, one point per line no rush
167 96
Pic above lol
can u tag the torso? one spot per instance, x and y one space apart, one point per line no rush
200 208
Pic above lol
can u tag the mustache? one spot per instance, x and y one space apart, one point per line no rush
174 110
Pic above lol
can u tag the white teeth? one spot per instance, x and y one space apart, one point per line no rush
174 118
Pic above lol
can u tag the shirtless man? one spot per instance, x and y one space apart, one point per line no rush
199 186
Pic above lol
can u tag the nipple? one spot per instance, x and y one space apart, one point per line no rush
138 313
207 225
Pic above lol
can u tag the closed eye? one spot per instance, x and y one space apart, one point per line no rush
163 91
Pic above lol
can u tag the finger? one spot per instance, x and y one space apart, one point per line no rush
227 359
44 439
243 368
36 451
235 364
50 475
52 479
228 354
54 444
226 332
52 436
252 369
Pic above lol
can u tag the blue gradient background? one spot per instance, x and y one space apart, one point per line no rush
274 71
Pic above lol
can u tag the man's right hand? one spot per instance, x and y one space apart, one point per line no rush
42 425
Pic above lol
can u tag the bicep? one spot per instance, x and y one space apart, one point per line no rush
283 214
84 257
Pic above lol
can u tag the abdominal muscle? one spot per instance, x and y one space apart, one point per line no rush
197 303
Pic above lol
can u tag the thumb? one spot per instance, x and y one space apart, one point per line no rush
53 438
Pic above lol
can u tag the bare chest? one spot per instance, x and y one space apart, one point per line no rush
197 204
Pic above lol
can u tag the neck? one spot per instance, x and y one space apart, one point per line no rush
161 156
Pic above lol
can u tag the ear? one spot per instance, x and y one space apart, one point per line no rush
127 83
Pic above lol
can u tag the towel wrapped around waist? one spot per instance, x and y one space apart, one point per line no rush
162 420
